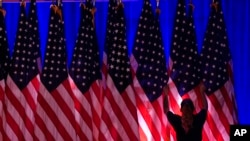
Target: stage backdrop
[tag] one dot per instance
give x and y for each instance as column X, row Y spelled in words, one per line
column 237, row 20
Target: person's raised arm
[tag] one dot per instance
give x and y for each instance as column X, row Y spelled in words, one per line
column 165, row 99
column 203, row 97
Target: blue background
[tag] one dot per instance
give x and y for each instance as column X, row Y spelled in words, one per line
column 236, row 13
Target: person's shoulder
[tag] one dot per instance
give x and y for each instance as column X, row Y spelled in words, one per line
column 202, row 111
column 202, row 114
column 174, row 119
column 171, row 114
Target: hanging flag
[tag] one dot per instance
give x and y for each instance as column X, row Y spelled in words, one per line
column 119, row 113
column 4, row 61
column 85, row 76
column 184, row 63
column 34, row 36
column 20, row 87
column 55, row 103
column 149, row 64
column 216, row 71
column 33, row 65
column 108, row 38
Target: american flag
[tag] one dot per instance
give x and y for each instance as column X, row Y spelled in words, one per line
column 184, row 62
column 21, row 85
column 216, row 71
column 119, row 113
column 85, row 74
column 4, row 61
column 108, row 38
column 149, row 64
column 55, row 118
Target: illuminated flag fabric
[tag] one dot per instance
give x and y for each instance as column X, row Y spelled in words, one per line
column 55, row 118
column 217, row 71
column 119, row 113
column 4, row 61
column 85, row 74
column 108, row 38
column 21, row 85
column 149, row 64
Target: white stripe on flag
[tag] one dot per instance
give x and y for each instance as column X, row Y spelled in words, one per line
column 58, row 111
column 87, row 107
column 109, row 109
column 216, row 119
column 12, row 110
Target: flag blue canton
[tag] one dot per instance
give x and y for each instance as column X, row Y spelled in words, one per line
column 33, row 47
column 215, row 54
column 18, row 67
column 4, row 49
column 149, row 54
column 55, row 69
column 108, row 41
column 184, row 54
column 85, row 66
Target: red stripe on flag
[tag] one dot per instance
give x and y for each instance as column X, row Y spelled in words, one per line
column 83, row 113
column 213, row 127
column 2, row 87
column 30, row 93
column 118, row 108
column 82, row 136
column 31, row 100
column 80, row 127
column 67, row 112
column 45, row 103
column 111, row 129
column 42, row 127
column 17, row 104
column 11, row 123
column 143, row 109
column 50, row 113
column 218, row 107
column 64, row 102
column 130, row 104
column 229, row 103
column 96, row 97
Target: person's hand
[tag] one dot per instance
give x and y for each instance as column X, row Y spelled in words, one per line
column 165, row 90
column 165, row 99
column 202, row 87
column 203, row 96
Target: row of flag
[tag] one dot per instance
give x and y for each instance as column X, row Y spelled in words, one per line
column 122, row 99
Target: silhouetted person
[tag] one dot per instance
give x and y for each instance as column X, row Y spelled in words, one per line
column 188, row 126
